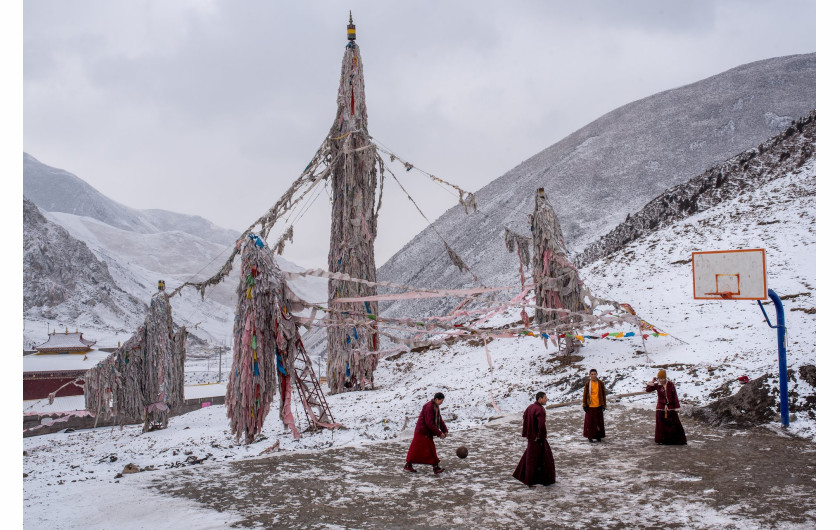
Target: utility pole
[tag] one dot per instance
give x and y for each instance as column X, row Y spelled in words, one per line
column 220, row 364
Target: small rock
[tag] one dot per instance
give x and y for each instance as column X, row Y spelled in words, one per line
column 187, row 427
column 25, row 475
column 113, row 458
column 26, row 453
column 130, row 468
column 118, row 475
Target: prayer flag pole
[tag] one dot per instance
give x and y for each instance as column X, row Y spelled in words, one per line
column 351, row 349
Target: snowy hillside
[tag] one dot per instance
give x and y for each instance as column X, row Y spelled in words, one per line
column 608, row 169
column 137, row 248
column 130, row 264
column 135, row 262
column 779, row 155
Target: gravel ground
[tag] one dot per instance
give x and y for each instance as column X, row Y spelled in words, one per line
column 758, row 478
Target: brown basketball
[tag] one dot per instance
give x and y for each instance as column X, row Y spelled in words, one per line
column 462, row 452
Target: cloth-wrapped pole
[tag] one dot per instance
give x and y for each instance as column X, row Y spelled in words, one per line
column 265, row 339
column 354, row 224
column 144, row 378
column 556, row 280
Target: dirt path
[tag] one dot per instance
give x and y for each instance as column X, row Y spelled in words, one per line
column 721, row 479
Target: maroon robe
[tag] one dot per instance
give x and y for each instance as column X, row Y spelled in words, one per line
column 537, row 464
column 429, row 423
column 669, row 429
column 593, row 423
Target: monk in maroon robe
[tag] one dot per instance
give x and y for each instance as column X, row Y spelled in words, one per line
column 537, row 464
column 594, row 405
column 669, row 429
column 422, row 449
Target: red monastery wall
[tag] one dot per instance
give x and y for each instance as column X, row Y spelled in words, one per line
column 39, row 385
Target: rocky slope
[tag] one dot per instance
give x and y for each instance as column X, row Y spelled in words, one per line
column 62, row 276
column 754, row 167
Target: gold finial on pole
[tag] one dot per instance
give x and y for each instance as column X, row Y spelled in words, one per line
column 351, row 29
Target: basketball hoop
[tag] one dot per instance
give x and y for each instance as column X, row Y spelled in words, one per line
column 729, row 275
column 725, row 296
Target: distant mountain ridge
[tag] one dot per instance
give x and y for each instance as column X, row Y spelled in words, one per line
column 608, row 169
column 81, row 231
column 749, row 170
column 93, row 263
column 57, row 190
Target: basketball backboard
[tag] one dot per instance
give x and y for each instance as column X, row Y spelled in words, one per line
column 729, row 275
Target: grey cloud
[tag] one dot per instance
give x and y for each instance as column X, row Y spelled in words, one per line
column 200, row 98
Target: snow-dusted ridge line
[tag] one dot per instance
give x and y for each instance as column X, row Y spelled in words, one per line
column 58, row 190
column 772, row 159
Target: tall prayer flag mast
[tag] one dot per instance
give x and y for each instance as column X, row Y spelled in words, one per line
column 351, row 357
column 558, row 288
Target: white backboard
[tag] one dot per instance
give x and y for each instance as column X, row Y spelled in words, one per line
column 729, row 274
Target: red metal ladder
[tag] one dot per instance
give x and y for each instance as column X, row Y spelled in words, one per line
column 315, row 406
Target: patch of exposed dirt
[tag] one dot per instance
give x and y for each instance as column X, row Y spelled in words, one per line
column 723, row 478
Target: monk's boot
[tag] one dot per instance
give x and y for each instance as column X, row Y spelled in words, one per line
column 438, row 470
column 408, row 467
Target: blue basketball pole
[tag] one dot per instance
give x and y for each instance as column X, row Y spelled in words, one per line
column 780, row 331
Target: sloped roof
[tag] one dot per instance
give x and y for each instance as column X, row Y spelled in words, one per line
column 56, row 363
column 66, row 341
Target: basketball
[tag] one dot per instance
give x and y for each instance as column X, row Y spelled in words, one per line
column 462, row 452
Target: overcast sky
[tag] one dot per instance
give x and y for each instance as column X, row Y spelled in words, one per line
column 213, row 108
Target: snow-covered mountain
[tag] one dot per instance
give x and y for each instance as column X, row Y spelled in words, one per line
column 133, row 249
column 64, row 282
column 778, row 156
column 608, row 169
column 57, row 190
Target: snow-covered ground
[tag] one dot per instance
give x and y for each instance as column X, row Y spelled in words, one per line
column 70, row 477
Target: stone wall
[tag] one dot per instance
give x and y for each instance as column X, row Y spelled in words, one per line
column 36, row 424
